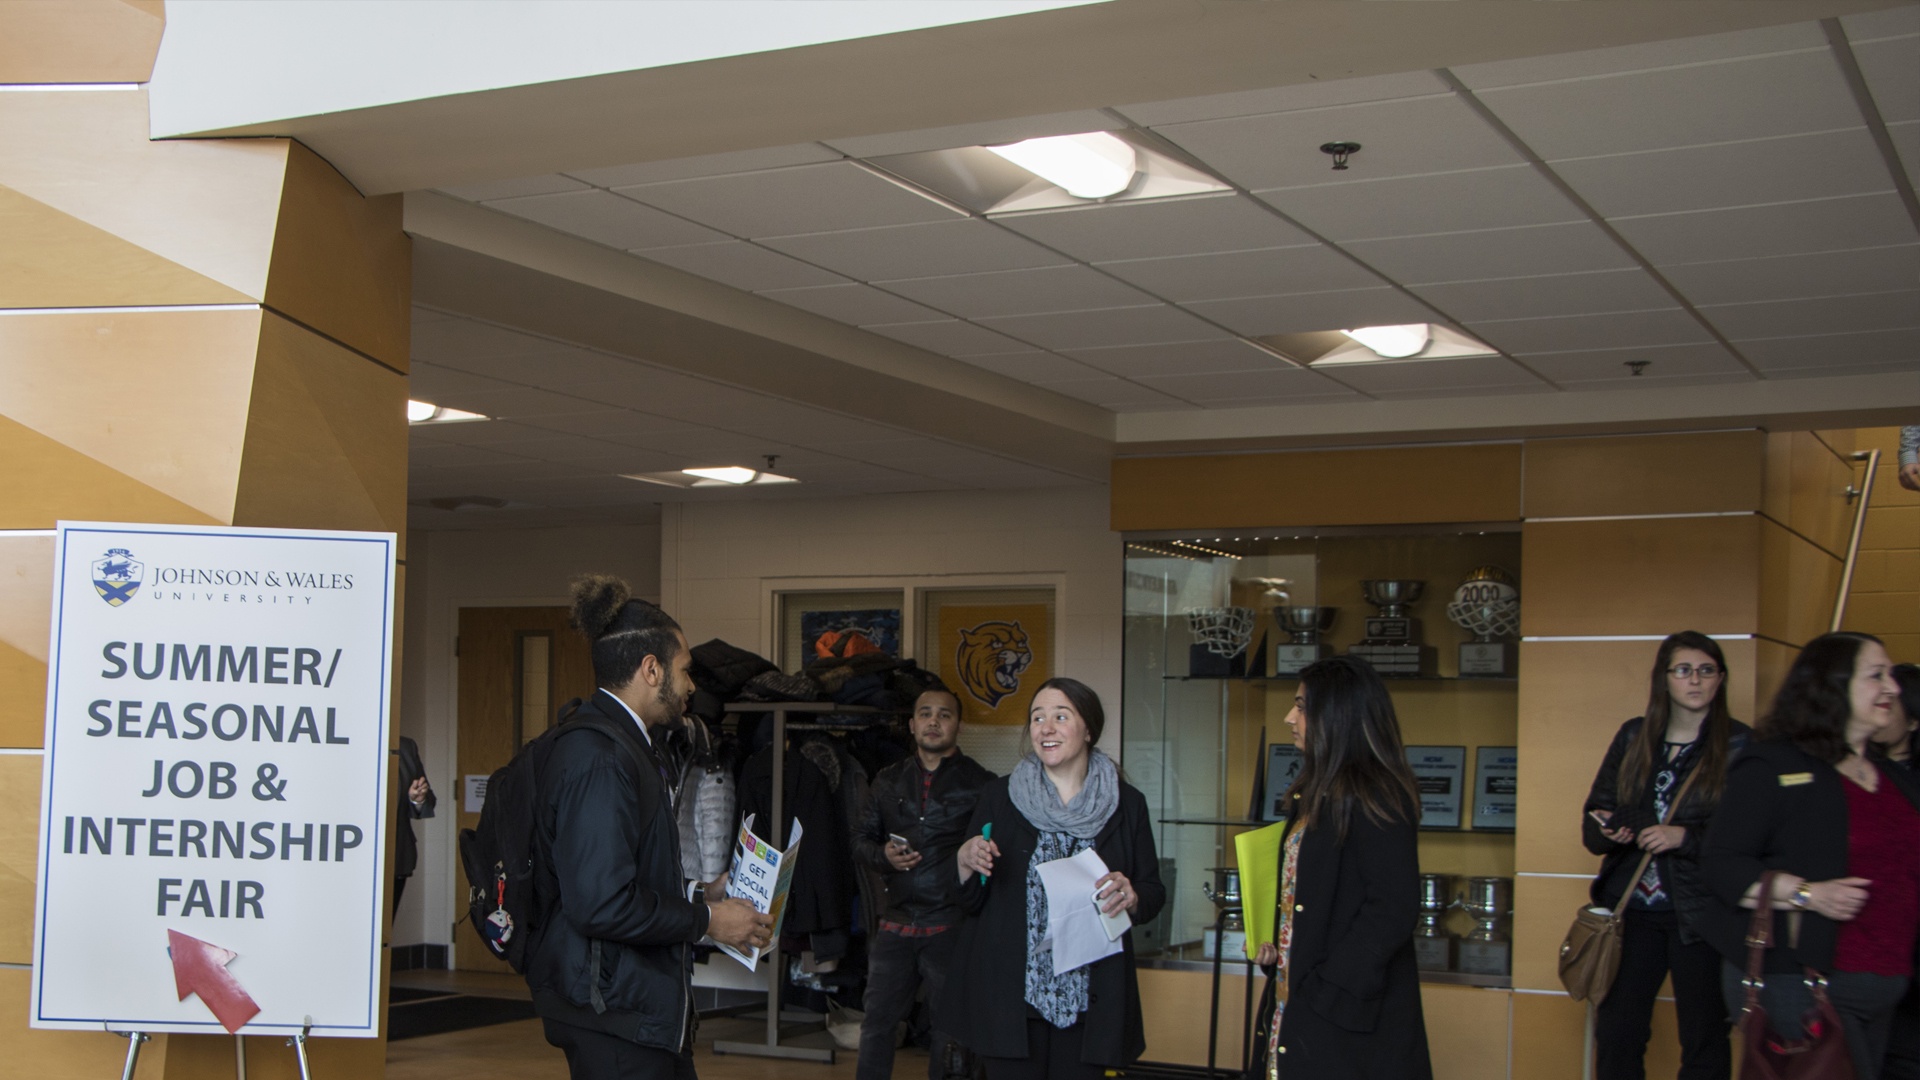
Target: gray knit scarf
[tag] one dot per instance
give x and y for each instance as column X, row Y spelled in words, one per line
column 1039, row 801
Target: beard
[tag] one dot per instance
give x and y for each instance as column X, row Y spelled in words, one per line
column 673, row 705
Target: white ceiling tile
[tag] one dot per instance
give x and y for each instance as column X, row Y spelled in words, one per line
column 1156, row 228
column 1318, row 94
column 1792, row 277
column 1113, row 326
column 1872, row 349
column 1556, row 294
column 1493, row 253
column 1020, row 292
column 1825, row 315
column 1416, row 205
column 1297, row 313
column 1618, row 330
column 1887, row 22
column 507, row 189
column 1780, row 94
column 1112, row 393
column 989, row 133
column 1290, row 382
column 1437, row 378
column 785, row 202
column 1181, row 358
column 605, row 218
column 739, row 161
column 1188, row 278
column 519, row 402
column 1855, row 221
column 426, row 458
column 626, row 426
column 1599, row 365
column 742, row 265
column 1676, row 52
column 1405, row 137
column 858, row 305
column 904, row 251
column 1906, row 142
column 1035, row 367
column 1892, row 70
column 449, row 341
column 498, row 434
column 951, row 337
column 432, row 382
column 1786, row 169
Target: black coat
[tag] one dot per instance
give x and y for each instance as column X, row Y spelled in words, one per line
column 1353, row 987
column 984, row 1006
column 406, row 847
column 820, row 899
column 928, row 894
column 612, row 950
column 1783, row 810
column 1679, row 869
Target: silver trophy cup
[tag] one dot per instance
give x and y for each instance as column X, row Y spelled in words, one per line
column 1305, row 625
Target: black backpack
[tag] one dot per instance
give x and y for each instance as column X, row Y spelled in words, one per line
column 502, row 856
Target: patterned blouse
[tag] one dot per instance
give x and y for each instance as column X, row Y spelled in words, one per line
column 1283, row 940
column 1059, row 998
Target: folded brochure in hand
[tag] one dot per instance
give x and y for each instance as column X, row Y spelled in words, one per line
column 761, row 875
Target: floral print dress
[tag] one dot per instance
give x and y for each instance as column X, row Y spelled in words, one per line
column 1283, row 940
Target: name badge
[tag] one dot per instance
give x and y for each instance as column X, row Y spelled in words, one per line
column 1795, row 779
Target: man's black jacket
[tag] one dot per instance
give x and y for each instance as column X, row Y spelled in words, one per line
column 927, row 894
column 611, row 952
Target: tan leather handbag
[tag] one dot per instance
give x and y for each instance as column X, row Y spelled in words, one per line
column 1590, row 955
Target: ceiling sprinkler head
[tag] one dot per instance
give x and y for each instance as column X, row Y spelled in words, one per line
column 1637, row 366
column 1340, row 152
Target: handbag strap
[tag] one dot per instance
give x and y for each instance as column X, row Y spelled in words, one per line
column 1759, row 940
column 1620, row 909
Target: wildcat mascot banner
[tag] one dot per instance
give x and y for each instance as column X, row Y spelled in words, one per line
column 993, row 655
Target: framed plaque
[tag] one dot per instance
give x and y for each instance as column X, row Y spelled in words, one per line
column 1495, row 791
column 1283, row 764
column 1440, row 773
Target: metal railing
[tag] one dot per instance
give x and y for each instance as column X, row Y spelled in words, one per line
column 1864, row 495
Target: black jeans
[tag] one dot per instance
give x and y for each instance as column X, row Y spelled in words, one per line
column 897, row 967
column 596, row 1055
column 1651, row 948
column 1866, row 1004
column 1903, row 1042
column 1052, row 1054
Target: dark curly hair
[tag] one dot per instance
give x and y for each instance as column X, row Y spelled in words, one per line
column 1814, row 703
column 622, row 630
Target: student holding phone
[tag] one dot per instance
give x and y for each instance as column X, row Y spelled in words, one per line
column 917, row 813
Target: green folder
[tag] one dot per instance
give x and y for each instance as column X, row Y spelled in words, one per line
column 1257, row 852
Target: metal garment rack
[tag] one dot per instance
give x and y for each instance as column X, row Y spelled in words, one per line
column 771, row 1046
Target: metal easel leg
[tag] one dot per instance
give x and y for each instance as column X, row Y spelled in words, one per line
column 299, row 1044
column 239, row 1057
column 134, row 1039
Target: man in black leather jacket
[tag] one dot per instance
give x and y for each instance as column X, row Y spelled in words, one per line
column 925, row 800
column 609, row 962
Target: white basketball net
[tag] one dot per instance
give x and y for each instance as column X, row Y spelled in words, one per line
column 1487, row 618
column 1223, row 630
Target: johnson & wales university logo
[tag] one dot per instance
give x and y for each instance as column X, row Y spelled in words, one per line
column 117, row 576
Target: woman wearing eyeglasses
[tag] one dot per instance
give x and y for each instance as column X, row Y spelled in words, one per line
column 1685, row 735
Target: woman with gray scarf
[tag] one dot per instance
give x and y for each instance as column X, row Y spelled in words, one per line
column 1003, row 999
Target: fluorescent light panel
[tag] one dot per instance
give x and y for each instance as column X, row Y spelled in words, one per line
column 425, row 412
column 1093, row 165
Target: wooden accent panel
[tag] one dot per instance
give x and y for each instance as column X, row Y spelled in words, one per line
column 1644, row 474
column 19, row 852
column 23, row 698
column 341, row 263
column 1798, row 583
column 68, row 1055
column 79, row 41
column 179, row 434
column 326, row 443
column 1806, row 489
column 1319, row 487
column 49, row 481
column 1549, row 1031
column 1468, row 1030
column 53, row 259
column 1174, row 1007
column 1639, row 576
column 1542, row 908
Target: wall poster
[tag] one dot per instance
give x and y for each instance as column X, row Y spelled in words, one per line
column 992, row 647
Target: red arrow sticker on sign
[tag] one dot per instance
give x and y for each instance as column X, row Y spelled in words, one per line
column 200, row 968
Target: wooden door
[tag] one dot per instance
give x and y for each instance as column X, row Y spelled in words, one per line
column 517, row 667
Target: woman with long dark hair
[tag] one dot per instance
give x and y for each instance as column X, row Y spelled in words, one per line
column 1901, row 741
column 1003, row 998
column 1811, row 801
column 1679, row 748
column 1343, row 990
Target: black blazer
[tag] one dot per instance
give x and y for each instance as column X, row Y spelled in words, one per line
column 1353, row 988
column 1783, row 810
column 984, row 1003
column 406, row 847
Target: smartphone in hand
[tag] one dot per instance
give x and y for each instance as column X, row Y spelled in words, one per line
column 902, row 841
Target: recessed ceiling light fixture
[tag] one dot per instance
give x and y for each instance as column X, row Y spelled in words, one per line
column 1393, row 342
column 1089, row 166
column 424, row 412
column 719, row 476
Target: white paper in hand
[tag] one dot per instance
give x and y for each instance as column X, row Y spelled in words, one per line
column 1074, row 925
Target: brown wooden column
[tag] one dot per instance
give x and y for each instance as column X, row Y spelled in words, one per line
column 190, row 331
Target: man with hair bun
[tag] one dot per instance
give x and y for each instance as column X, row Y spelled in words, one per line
column 610, row 963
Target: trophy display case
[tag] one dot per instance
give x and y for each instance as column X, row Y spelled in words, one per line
column 1218, row 627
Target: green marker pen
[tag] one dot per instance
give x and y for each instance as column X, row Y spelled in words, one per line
column 986, row 833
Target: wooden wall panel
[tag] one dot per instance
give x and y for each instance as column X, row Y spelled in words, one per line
column 69, row 1055
column 53, row 259
column 79, row 41
column 1320, row 487
column 341, row 263
column 1549, row 1032
column 1644, row 474
column 19, row 852
column 26, row 611
column 1542, row 908
column 1798, row 583
column 1174, row 1007
column 1468, row 1030
column 50, row 481
column 23, row 698
column 1629, row 576
column 1817, row 505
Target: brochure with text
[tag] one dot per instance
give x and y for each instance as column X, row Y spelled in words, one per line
column 761, row 875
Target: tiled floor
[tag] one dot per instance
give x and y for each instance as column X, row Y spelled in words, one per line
column 518, row 1051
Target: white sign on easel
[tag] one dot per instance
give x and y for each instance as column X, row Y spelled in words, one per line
column 215, row 780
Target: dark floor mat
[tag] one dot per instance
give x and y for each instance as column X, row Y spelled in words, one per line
column 398, row 994
column 412, row 1020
